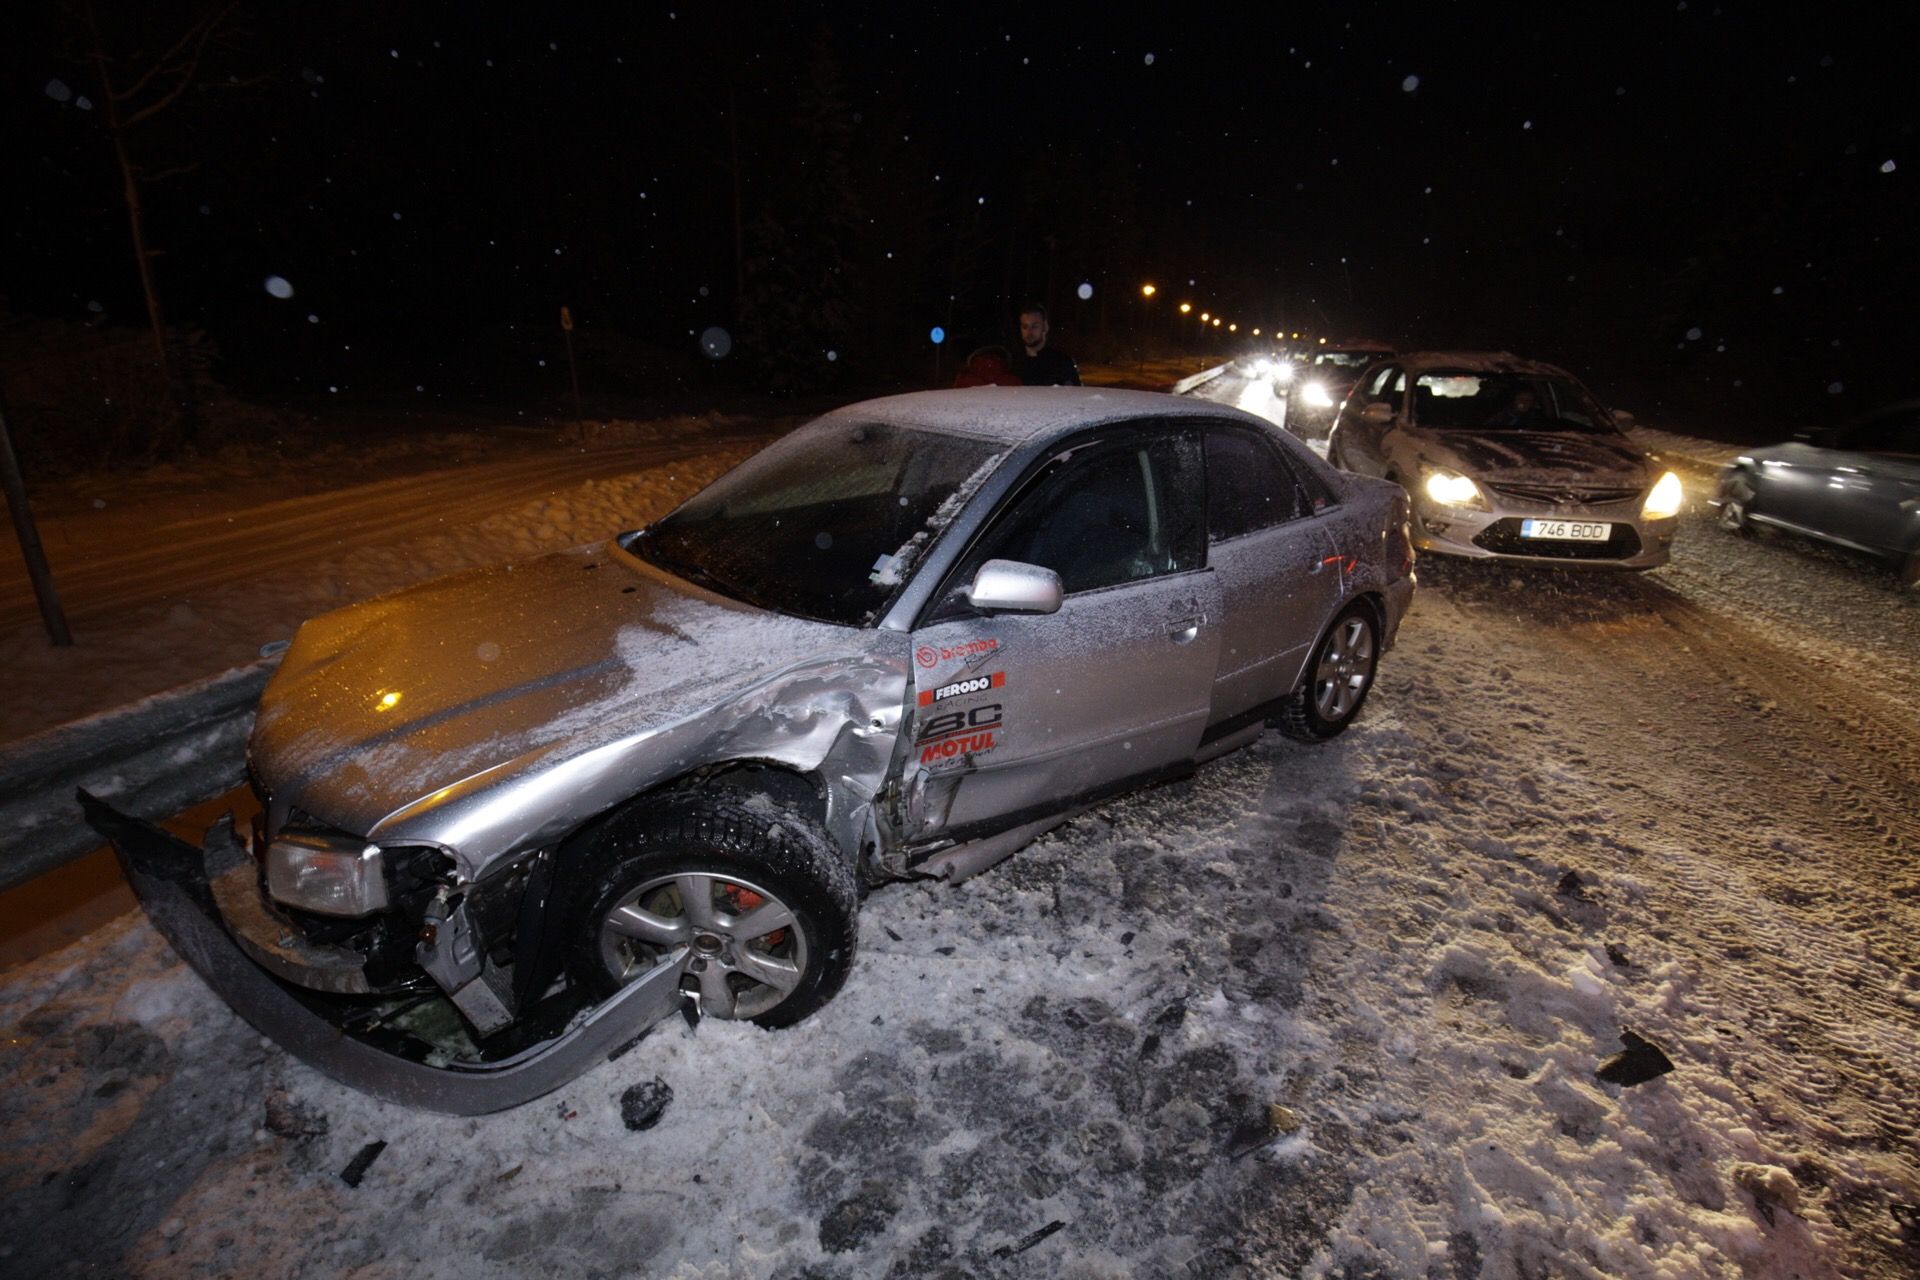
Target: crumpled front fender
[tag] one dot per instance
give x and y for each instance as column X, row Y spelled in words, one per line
column 170, row 878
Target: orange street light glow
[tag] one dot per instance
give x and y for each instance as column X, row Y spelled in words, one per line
column 1185, row 307
column 1147, row 291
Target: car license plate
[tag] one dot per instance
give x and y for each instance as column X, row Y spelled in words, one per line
column 1567, row 530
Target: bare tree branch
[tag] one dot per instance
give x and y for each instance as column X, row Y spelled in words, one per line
column 195, row 35
column 172, row 172
column 205, row 32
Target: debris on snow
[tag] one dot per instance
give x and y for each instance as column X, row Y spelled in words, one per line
column 1640, row 1062
column 1029, row 1240
column 1771, row 1187
column 357, row 1167
column 291, row 1118
column 642, row 1105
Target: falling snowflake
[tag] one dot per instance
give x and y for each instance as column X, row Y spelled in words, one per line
column 1410, row 84
column 278, row 287
column 1835, row 388
column 1085, row 290
column 715, row 343
column 1693, row 334
column 1149, row 59
column 58, row 91
column 1888, row 167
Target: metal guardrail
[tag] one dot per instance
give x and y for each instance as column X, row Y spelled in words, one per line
column 1185, row 385
column 156, row 756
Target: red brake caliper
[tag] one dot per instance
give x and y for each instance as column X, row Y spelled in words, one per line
column 741, row 900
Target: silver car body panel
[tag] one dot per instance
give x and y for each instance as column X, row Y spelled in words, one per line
column 1865, row 499
column 492, row 712
column 1553, row 475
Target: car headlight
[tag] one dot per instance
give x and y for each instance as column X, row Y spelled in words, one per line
column 1665, row 500
column 1315, row 394
column 1283, row 372
column 328, row 874
column 1451, row 489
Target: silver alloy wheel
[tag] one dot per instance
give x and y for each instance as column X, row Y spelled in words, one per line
column 1346, row 665
column 737, row 944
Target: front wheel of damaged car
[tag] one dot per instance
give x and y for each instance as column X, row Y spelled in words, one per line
column 755, row 906
column 1338, row 677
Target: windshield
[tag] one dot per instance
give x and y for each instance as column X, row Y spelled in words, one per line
column 1355, row 360
column 824, row 524
column 1474, row 400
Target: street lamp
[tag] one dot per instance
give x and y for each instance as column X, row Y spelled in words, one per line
column 1185, row 307
column 1204, row 317
column 1147, row 291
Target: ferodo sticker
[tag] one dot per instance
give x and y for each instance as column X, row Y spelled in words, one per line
column 954, row 734
column 960, row 688
column 931, row 655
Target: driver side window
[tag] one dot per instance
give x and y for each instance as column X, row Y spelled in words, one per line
column 1105, row 515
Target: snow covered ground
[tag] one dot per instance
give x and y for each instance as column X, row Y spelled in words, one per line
column 1322, row 1010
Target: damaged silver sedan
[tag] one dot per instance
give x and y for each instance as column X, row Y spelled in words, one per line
column 513, row 818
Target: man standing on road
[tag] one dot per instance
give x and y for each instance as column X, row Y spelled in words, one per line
column 1038, row 364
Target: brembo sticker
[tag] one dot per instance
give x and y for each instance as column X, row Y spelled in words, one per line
column 960, row 733
column 928, row 655
column 960, row 688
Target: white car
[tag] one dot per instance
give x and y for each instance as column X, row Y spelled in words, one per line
column 1508, row 458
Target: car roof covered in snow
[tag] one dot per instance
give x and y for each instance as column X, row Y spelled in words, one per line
column 1014, row 416
column 1478, row 362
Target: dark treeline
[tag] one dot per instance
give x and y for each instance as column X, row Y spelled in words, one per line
column 1688, row 204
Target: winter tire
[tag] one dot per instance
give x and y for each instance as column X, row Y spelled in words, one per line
column 753, row 902
column 1736, row 501
column 1338, row 677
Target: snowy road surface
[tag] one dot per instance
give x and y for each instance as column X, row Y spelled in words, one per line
column 1328, row 1010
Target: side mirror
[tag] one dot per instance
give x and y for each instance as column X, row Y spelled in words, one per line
column 1624, row 420
column 1380, row 413
column 1007, row 586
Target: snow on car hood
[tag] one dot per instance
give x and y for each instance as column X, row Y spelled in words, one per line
column 386, row 701
column 1538, row 455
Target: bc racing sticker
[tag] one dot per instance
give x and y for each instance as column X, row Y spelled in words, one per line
column 955, row 734
column 932, row 655
column 960, row 688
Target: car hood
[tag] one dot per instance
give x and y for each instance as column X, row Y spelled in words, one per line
column 384, row 702
column 1537, row 455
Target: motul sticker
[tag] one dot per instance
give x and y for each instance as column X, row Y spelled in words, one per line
column 960, row 688
column 955, row 734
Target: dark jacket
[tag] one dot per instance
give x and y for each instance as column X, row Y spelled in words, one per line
column 1051, row 368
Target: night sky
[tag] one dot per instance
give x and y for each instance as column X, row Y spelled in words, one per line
column 1683, row 201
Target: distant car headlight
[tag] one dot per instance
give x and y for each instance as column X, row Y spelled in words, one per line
column 330, row 875
column 1451, row 489
column 1665, row 500
column 1315, row 394
column 1283, row 371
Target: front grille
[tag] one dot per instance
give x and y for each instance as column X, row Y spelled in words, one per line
column 1565, row 494
column 1502, row 537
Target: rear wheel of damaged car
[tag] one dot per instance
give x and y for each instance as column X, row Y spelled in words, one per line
column 1338, row 678
column 753, row 903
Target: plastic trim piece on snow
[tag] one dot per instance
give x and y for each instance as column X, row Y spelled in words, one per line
column 169, row 877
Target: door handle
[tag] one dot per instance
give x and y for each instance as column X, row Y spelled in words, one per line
column 1185, row 631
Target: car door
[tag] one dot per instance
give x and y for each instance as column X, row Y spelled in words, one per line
column 1359, row 444
column 1280, row 580
column 1015, row 716
column 1873, row 485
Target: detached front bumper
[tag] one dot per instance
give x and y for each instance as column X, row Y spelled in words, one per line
column 324, row 1019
